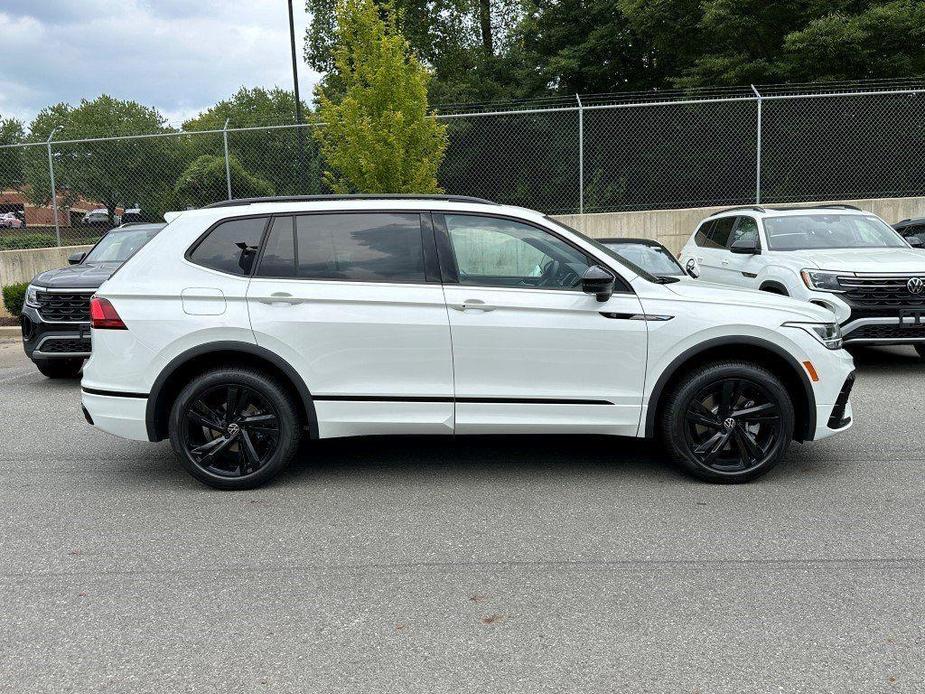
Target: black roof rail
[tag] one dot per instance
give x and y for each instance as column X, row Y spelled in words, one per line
column 824, row 206
column 756, row 208
column 352, row 196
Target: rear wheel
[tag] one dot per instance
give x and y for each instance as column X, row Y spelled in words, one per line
column 60, row 368
column 728, row 422
column 234, row 428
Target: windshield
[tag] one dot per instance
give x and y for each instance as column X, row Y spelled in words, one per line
column 606, row 251
column 117, row 246
column 655, row 259
column 809, row 231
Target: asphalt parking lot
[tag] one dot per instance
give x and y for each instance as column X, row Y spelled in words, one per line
column 489, row 565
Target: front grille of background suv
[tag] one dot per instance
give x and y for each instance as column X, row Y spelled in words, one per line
column 872, row 296
column 57, row 307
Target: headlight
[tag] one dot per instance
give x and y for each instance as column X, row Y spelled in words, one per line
column 828, row 334
column 32, row 296
column 822, row 280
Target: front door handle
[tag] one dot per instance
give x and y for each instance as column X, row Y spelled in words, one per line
column 472, row 305
column 280, row 299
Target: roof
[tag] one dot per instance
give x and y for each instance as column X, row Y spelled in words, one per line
column 767, row 211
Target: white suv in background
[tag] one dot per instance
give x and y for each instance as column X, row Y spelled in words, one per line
column 245, row 324
column 837, row 256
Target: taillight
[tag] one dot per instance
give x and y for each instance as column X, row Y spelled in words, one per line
column 103, row 315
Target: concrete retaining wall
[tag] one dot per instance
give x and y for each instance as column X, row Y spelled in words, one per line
column 674, row 227
column 22, row 266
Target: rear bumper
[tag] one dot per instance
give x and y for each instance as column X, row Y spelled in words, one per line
column 122, row 415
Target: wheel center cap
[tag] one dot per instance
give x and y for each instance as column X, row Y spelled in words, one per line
column 729, row 423
column 233, row 430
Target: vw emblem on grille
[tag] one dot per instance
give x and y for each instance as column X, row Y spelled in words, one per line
column 915, row 285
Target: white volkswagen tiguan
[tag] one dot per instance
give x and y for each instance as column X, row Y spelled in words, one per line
column 244, row 325
column 836, row 256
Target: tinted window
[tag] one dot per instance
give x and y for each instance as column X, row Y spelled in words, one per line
column 230, row 247
column 703, row 233
column 719, row 235
column 363, row 247
column 746, row 228
column 503, row 253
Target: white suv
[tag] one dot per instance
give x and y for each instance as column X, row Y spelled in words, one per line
column 836, row 256
column 245, row 324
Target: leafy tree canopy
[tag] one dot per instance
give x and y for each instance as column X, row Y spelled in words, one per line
column 379, row 136
column 204, row 182
column 11, row 159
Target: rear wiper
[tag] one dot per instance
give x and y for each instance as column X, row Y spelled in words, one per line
column 666, row 279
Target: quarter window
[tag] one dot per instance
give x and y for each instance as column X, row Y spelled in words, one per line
column 362, row 247
column 703, row 233
column 502, row 253
column 231, row 246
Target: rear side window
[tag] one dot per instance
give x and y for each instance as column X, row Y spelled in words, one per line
column 230, row 246
column 703, row 233
column 719, row 235
column 362, row 247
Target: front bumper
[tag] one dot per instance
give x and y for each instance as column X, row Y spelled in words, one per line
column 42, row 339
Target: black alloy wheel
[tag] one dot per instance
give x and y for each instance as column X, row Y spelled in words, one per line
column 234, row 428
column 728, row 422
column 733, row 425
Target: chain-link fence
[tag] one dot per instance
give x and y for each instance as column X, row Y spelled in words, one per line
column 595, row 153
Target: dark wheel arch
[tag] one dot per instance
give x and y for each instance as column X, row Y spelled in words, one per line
column 175, row 375
column 774, row 288
column 755, row 349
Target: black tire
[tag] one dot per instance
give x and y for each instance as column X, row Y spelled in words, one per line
column 60, row 368
column 920, row 349
column 247, row 448
column 706, row 437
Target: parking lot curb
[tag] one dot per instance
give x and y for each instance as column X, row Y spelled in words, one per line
column 10, row 331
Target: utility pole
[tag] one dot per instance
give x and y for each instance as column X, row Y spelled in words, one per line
column 300, row 136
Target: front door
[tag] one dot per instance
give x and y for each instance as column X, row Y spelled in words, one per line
column 531, row 351
column 347, row 299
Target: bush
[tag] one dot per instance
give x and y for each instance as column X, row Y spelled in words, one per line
column 204, row 181
column 14, row 296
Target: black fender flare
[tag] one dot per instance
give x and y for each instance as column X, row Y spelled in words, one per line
column 229, row 346
column 774, row 287
column 808, row 429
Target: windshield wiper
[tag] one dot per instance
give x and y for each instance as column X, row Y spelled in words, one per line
column 665, row 279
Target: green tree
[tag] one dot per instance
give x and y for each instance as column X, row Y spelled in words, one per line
column 272, row 154
column 378, row 135
column 136, row 171
column 11, row 159
column 204, row 181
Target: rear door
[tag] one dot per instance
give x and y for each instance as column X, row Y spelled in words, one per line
column 531, row 351
column 353, row 301
column 713, row 253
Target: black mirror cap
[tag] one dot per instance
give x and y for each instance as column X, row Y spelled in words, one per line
column 599, row 282
column 745, row 247
column 76, row 258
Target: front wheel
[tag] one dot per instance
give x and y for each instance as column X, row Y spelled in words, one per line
column 728, row 422
column 234, row 428
column 60, row 368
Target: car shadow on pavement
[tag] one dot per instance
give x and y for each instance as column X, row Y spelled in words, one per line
column 887, row 359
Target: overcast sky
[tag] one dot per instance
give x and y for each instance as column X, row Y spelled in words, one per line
column 180, row 56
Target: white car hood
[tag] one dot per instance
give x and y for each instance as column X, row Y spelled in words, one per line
column 708, row 292
column 861, row 259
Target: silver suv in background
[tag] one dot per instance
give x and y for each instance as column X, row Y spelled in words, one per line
column 836, row 256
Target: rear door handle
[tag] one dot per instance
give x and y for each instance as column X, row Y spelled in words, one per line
column 472, row 305
column 725, row 262
column 280, row 299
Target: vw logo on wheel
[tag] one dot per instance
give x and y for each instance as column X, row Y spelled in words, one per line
column 915, row 285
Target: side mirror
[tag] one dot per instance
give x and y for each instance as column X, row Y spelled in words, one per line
column 599, row 282
column 76, row 258
column 692, row 269
column 916, row 242
column 745, row 246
